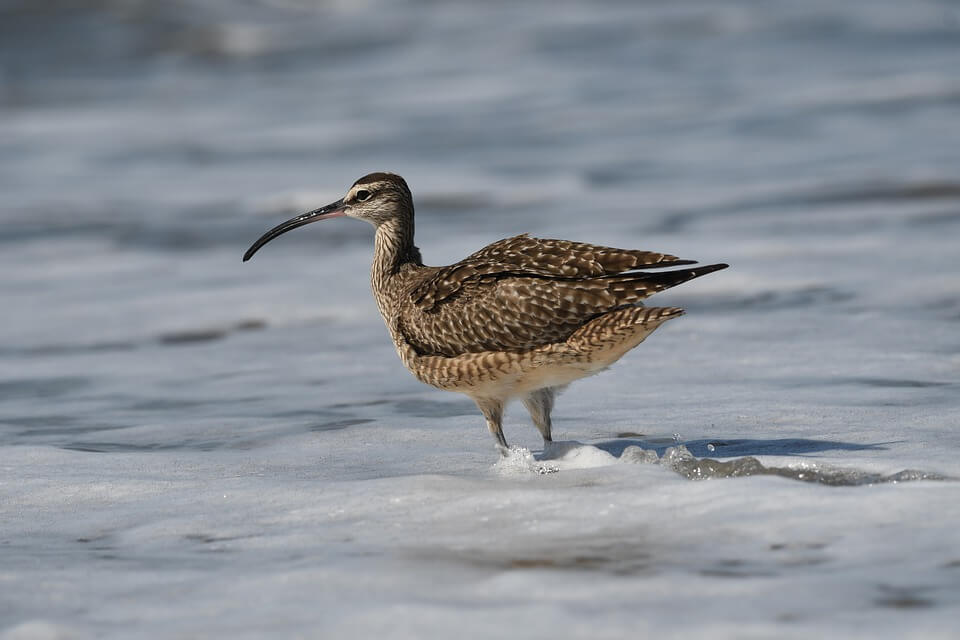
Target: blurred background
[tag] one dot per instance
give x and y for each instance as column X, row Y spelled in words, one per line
column 145, row 145
column 191, row 444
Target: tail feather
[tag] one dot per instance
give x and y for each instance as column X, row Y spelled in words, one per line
column 622, row 329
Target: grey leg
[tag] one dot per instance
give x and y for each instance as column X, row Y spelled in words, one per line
column 493, row 411
column 540, row 404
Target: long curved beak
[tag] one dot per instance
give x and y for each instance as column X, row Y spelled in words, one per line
column 333, row 210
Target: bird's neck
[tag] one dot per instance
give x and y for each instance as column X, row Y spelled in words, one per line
column 392, row 250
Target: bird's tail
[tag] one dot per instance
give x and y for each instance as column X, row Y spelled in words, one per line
column 620, row 330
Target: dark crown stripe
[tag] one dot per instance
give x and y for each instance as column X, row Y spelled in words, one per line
column 381, row 176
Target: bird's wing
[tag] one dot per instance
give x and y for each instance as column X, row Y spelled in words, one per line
column 524, row 255
column 522, row 292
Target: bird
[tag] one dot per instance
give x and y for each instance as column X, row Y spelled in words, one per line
column 521, row 318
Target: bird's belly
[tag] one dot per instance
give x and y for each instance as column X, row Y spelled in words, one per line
column 505, row 374
column 509, row 374
column 548, row 375
column 497, row 374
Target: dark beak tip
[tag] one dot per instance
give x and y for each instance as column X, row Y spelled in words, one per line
column 293, row 223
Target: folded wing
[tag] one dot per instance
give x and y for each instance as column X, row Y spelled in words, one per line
column 524, row 292
column 525, row 255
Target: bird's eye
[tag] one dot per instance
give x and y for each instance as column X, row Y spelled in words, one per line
column 362, row 195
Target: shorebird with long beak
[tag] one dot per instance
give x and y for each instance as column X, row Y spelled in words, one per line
column 521, row 318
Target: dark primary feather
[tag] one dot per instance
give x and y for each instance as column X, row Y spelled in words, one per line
column 524, row 292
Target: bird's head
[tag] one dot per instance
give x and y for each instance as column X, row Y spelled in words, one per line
column 377, row 198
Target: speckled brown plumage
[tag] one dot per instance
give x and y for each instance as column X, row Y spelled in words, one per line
column 521, row 318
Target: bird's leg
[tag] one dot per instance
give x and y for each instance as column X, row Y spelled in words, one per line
column 493, row 411
column 540, row 403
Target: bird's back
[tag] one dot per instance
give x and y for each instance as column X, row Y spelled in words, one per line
column 522, row 293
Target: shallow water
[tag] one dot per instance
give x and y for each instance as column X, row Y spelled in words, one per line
column 194, row 446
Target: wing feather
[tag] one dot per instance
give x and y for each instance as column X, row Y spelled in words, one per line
column 524, row 255
column 523, row 292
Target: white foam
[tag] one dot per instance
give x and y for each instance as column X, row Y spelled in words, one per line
column 571, row 454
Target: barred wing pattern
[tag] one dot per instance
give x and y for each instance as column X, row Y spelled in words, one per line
column 524, row 292
column 526, row 255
